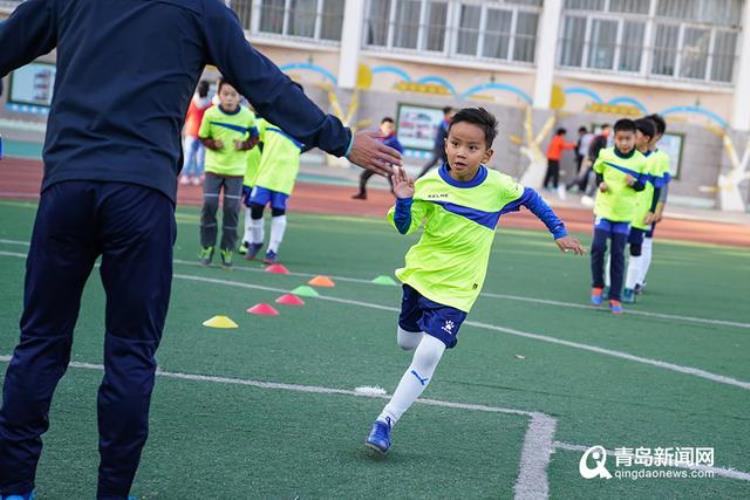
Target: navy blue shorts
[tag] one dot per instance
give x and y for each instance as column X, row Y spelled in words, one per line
column 262, row 196
column 611, row 227
column 420, row 314
column 636, row 236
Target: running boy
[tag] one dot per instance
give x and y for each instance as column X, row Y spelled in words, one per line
column 389, row 138
column 645, row 205
column 460, row 205
column 277, row 173
column 661, row 171
column 228, row 131
column 620, row 175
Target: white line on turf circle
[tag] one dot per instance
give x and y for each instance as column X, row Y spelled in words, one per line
column 541, row 433
column 687, row 370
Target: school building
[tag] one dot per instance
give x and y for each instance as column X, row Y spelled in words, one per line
column 532, row 62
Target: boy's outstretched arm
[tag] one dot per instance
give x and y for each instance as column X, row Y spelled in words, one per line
column 531, row 200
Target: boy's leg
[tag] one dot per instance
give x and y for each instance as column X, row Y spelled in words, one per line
column 256, row 224
column 617, row 252
column 188, row 160
column 211, row 190
column 646, row 252
column 231, row 215
column 247, row 235
column 636, row 258
column 548, row 174
column 408, row 332
column 598, row 251
column 363, row 180
column 137, row 233
column 415, row 380
column 440, row 325
column 61, row 256
column 556, row 174
column 278, row 220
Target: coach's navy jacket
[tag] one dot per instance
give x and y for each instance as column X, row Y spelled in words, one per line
column 126, row 70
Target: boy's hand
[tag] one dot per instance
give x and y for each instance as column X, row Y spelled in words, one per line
column 603, row 187
column 630, row 180
column 403, row 186
column 569, row 244
column 659, row 213
column 650, row 218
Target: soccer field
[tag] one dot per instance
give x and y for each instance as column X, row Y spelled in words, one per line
column 268, row 410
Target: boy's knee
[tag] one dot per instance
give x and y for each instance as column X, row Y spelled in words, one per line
column 256, row 211
column 636, row 250
column 277, row 212
column 408, row 341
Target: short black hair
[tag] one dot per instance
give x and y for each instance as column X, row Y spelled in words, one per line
column 202, row 88
column 606, row 125
column 582, row 129
column 479, row 117
column 624, row 125
column 220, row 83
column 386, row 119
column 447, row 110
column 661, row 124
column 646, row 126
column 561, row 131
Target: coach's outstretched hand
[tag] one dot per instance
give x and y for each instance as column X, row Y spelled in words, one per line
column 570, row 244
column 371, row 154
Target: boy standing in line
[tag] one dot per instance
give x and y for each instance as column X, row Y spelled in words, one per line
column 228, row 131
column 620, row 175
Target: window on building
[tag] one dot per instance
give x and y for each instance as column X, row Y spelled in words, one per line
column 503, row 29
column 682, row 39
column 307, row 19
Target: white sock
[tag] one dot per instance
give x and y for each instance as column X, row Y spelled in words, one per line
column 634, row 271
column 415, row 380
column 256, row 231
column 248, row 236
column 278, row 227
column 646, row 250
column 408, row 341
column 607, row 265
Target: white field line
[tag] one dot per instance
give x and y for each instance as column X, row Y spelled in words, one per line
column 726, row 472
column 542, row 433
column 532, row 481
column 537, row 446
column 534, row 300
column 687, row 370
column 572, row 305
column 696, row 372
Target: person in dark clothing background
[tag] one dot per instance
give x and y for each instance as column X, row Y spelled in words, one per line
column 438, row 150
column 599, row 142
column 125, row 74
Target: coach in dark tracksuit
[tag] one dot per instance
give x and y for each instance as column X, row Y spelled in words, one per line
column 126, row 73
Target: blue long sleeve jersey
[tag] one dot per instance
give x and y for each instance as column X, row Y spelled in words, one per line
column 126, row 71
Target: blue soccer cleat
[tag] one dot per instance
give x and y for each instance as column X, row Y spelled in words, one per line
column 252, row 251
column 615, row 306
column 596, row 296
column 271, row 257
column 380, row 437
column 26, row 496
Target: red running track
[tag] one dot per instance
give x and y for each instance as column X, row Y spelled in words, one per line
column 20, row 179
